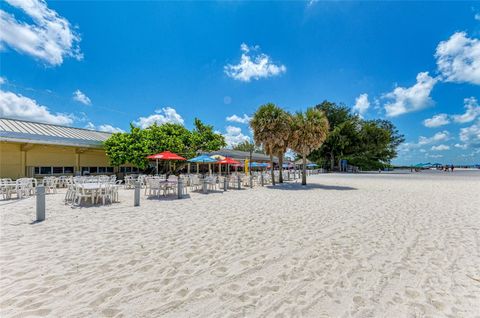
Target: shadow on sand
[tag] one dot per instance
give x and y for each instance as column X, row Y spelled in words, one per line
column 312, row 186
column 166, row 198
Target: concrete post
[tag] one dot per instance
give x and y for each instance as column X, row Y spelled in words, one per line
column 251, row 181
column 225, row 184
column 288, row 175
column 239, row 181
column 136, row 197
column 180, row 188
column 40, row 203
column 204, row 186
column 261, row 179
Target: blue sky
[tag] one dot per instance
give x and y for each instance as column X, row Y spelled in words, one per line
column 104, row 64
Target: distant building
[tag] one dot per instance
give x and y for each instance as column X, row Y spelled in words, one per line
column 31, row 149
column 243, row 155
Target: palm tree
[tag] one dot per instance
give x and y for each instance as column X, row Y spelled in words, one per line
column 271, row 130
column 309, row 131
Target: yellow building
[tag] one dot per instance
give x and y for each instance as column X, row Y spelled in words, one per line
column 30, row 149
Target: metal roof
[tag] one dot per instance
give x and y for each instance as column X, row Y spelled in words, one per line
column 15, row 130
column 242, row 155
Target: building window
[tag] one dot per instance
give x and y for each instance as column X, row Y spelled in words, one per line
column 102, row 169
column 93, row 169
column 57, row 170
column 85, row 169
column 45, row 170
column 129, row 169
column 67, row 169
column 53, row 170
column 110, row 169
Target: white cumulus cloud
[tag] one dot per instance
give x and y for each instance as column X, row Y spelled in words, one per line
column 434, row 156
column 104, row 127
column 471, row 135
column 234, row 136
column 439, row 136
column 21, row 107
column 472, row 111
column 161, row 116
column 44, row 35
column 436, row 121
column 253, row 66
column 237, row 119
column 80, row 97
column 458, row 59
column 404, row 100
column 440, row 148
column 361, row 104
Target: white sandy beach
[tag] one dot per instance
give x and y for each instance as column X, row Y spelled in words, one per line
column 365, row 245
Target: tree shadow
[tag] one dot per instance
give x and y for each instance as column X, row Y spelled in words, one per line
column 311, row 186
column 167, row 197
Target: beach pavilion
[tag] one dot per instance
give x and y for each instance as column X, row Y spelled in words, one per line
column 33, row 149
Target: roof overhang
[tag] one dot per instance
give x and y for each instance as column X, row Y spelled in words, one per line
column 67, row 142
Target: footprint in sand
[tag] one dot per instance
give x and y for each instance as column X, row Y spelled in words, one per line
column 220, row 271
column 39, row 312
column 110, row 312
column 411, row 293
column 359, row 301
column 255, row 282
column 103, row 297
column 182, row 292
column 244, row 263
column 234, row 287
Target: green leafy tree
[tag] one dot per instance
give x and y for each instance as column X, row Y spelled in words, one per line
column 204, row 138
column 117, row 148
column 368, row 144
column 343, row 134
column 247, row 146
column 309, row 131
column 135, row 146
column 378, row 144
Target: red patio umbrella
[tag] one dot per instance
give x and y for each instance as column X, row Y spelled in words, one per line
column 166, row 155
column 228, row 161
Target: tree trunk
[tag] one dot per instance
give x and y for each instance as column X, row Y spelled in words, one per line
column 280, row 169
column 271, row 170
column 332, row 161
column 304, row 170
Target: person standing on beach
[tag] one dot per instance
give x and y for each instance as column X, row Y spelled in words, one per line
column 451, row 167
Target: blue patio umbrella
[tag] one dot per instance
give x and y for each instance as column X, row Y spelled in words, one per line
column 259, row 164
column 312, row 165
column 203, row 159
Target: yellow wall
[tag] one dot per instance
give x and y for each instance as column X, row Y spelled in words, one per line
column 43, row 155
column 10, row 161
column 94, row 158
column 16, row 157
